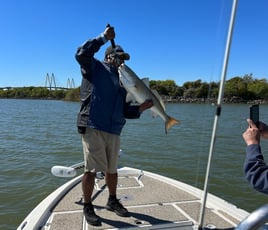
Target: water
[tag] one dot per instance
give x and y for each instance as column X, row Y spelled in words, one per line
column 38, row 134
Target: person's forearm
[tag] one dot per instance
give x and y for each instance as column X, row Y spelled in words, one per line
column 255, row 168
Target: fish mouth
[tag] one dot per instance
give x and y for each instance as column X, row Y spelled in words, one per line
column 121, row 66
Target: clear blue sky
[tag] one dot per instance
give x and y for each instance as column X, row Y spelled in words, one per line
column 182, row 40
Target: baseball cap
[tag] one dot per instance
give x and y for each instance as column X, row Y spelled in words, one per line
column 118, row 50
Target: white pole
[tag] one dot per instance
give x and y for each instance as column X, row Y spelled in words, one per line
column 218, row 110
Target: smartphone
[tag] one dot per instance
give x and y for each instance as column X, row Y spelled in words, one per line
column 254, row 114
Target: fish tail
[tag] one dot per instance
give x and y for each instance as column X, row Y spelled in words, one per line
column 170, row 122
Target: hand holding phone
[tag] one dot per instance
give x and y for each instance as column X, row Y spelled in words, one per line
column 254, row 114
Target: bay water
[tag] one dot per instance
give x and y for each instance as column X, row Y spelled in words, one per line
column 38, row 134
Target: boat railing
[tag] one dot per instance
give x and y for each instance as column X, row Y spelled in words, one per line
column 256, row 220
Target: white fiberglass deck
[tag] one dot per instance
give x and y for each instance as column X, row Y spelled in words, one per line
column 154, row 202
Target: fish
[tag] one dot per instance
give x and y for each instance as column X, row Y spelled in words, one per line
column 138, row 90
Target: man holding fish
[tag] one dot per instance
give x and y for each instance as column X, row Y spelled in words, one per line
column 102, row 117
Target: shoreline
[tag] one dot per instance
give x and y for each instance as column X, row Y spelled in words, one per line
column 166, row 99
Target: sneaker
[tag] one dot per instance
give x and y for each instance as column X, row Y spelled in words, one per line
column 115, row 206
column 91, row 216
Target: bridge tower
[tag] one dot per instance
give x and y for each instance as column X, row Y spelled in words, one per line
column 70, row 83
column 50, row 81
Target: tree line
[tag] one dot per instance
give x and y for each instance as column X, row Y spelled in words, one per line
column 33, row 92
column 237, row 89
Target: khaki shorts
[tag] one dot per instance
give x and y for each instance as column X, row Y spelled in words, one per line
column 100, row 151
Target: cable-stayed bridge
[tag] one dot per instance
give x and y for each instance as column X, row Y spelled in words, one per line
column 50, row 83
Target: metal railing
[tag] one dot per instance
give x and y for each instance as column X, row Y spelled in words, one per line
column 256, row 220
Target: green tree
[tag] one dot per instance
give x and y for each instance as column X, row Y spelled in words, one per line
column 258, row 88
column 236, row 86
column 58, row 94
column 167, row 87
column 73, row 95
column 213, row 90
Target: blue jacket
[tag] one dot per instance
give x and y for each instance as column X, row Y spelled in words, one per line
column 255, row 168
column 103, row 99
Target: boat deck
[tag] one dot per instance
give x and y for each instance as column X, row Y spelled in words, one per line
column 153, row 202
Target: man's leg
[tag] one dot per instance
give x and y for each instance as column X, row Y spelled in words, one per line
column 88, row 181
column 111, row 181
column 113, row 203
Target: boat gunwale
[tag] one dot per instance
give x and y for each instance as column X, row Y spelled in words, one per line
column 40, row 214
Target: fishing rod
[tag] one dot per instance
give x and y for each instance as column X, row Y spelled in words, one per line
column 218, row 109
column 112, row 40
column 113, row 46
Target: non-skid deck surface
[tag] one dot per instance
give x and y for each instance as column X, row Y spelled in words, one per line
column 147, row 200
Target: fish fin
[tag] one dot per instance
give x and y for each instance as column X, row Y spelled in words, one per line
column 159, row 98
column 146, row 82
column 170, row 122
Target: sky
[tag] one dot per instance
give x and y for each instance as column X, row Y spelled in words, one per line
column 180, row 40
